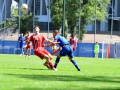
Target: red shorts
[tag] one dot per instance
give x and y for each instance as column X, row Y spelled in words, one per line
column 73, row 47
column 28, row 47
column 41, row 52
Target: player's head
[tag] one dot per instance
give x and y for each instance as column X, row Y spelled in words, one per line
column 72, row 36
column 28, row 32
column 21, row 34
column 55, row 32
column 36, row 28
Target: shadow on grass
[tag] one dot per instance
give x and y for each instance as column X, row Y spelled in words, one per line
column 30, row 68
column 70, row 78
column 69, row 89
column 27, row 68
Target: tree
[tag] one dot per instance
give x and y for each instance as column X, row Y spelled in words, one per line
column 72, row 15
column 56, row 8
column 87, row 13
column 26, row 20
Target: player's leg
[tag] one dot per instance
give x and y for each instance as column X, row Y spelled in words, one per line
column 21, row 49
column 70, row 56
column 48, row 58
column 74, row 63
column 48, row 62
column 43, row 54
column 62, row 52
column 28, row 52
column 25, row 50
column 57, row 61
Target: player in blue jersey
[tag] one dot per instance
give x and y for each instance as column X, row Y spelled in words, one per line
column 64, row 48
column 21, row 43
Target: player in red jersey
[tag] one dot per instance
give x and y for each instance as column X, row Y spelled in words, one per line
column 38, row 45
column 73, row 42
column 28, row 45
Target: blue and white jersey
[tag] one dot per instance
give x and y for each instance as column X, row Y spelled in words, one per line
column 21, row 39
column 62, row 41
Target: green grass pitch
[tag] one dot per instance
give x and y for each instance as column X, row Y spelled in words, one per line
column 20, row 73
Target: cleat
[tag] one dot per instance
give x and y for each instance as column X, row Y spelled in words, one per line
column 25, row 56
column 54, row 69
column 79, row 70
column 20, row 54
column 23, row 53
column 47, row 65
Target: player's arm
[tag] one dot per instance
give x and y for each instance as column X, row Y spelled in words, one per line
column 28, row 42
column 48, row 45
column 54, row 52
column 51, row 43
column 19, row 40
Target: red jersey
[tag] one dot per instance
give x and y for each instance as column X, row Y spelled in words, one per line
column 73, row 43
column 27, row 38
column 37, row 41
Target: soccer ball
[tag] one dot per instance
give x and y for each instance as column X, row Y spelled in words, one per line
column 24, row 7
column 54, row 47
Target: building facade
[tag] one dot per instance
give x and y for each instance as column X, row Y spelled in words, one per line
column 44, row 18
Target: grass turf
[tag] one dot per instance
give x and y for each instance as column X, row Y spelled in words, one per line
column 20, row 73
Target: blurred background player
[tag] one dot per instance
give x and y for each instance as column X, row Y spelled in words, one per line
column 64, row 48
column 73, row 42
column 21, row 43
column 28, row 45
column 96, row 49
column 38, row 45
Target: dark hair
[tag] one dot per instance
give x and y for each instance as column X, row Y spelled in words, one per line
column 36, row 26
column 56, row 31
column 28, row 32
column 72, row 35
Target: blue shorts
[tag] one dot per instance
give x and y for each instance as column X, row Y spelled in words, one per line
column 67, row 50
column 21, row 45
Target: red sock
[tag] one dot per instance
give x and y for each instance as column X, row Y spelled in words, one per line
column 51, row 65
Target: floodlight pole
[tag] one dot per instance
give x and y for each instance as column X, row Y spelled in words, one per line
column 48, row 18
column 95, row 21
column 63, row 16
column 112, row 21
column 5, row 18
column 34, row 16
column 79, row 20
column 19, row 19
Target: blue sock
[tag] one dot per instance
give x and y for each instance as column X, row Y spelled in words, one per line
column 75, row 64
column 21, row 51
column 56, row 62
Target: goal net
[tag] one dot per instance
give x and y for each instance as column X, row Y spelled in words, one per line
column 111, row 48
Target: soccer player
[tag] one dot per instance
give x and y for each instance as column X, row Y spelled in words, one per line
column 28, row 45
column 73, row 42
column 21, row 40
column 64, row 48
column 96, row 49
column 38, row 45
